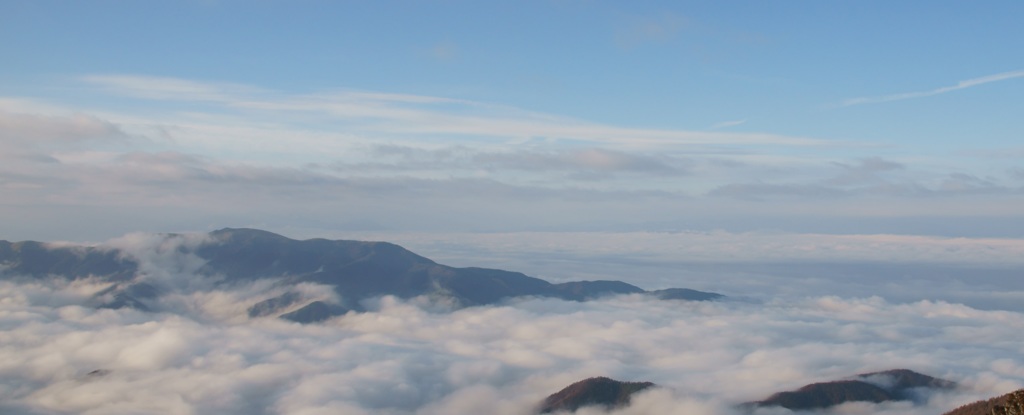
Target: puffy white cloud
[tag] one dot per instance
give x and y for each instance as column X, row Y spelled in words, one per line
column 404, row 359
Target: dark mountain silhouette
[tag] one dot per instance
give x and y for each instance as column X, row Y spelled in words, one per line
column 685, row 294
column 890, row 385
column 824, row 395
column 37, row 259
column 355, row 270
column 315, row 312
column 359, row 270
column 602, row 391
column 990, row 406
column 905, row 379
column 274, row 305
column 588, row 290
column 126, row 295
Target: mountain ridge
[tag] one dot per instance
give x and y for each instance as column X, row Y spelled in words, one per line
column 889, row 385
column 355, row 270
column 874, row 387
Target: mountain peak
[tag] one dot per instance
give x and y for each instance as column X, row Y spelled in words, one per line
column 596, row 391
column 353, row 270
column 901, row 379
column 889, row 385
column 241, row 234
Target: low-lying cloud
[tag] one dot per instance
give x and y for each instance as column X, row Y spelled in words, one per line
column 402, row 359
column 60, row 357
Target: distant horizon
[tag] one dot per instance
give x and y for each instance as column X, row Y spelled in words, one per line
column 979, row 273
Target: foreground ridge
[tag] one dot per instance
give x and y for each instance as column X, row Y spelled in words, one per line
column 1010, row 404
column 876, row 387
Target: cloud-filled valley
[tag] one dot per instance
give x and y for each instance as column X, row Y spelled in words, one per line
column 199, row 352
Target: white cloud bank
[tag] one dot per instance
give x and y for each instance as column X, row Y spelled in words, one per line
column 401, row 359
column 204, row 356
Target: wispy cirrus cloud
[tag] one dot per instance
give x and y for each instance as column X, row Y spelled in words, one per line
column 593, row 160
column 872, row 176
column 419, row 115
column 727, row 124
column 165, row 143
column 165, row 88
column 919, row 94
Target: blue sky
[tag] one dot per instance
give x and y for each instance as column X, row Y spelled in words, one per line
column 829, row 117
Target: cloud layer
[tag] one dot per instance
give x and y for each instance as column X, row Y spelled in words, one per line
column 402, row 359
column 204, row 355
column 162, row 154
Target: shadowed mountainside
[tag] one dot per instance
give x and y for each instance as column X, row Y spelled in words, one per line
column 685, row 294
column 601, row 391
column 986, row 407
column 356, row 270
column 826, row 394
column 875, row 387
column 890, row 385
column 38, row 259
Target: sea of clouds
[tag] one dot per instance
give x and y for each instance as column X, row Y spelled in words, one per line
column 983, row 273
column 201, row 354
